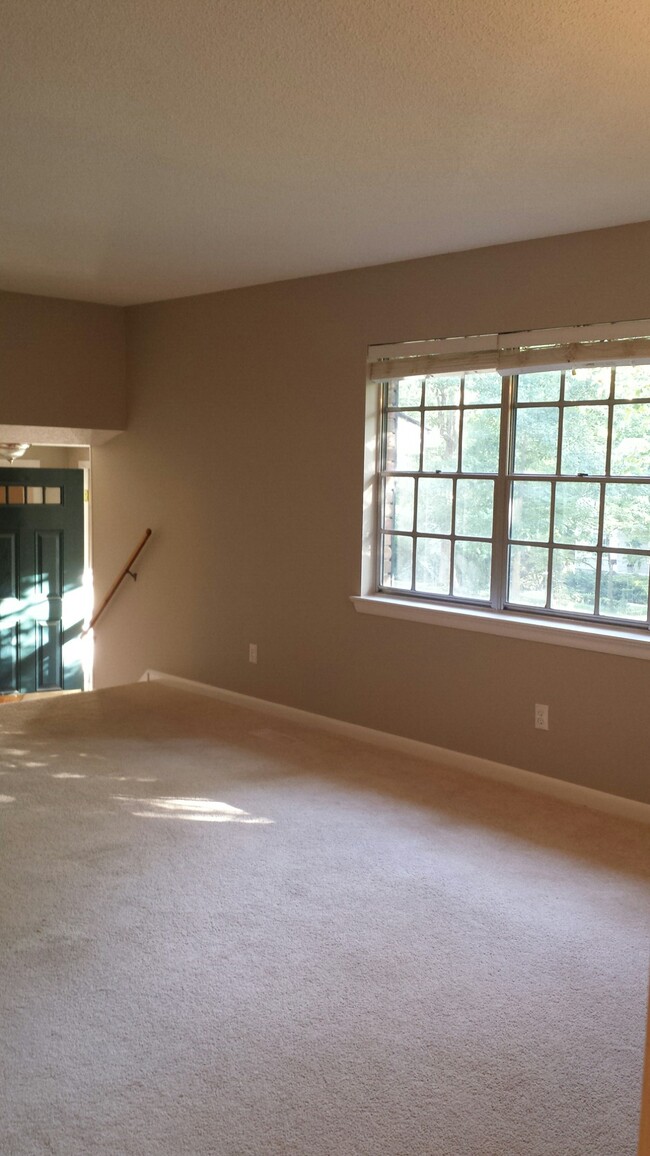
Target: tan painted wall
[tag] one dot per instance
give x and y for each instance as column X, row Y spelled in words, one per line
column 245, row 454
column 55, row 457
column 62, row 363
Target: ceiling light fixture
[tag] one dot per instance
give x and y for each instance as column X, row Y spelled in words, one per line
column 9, row 451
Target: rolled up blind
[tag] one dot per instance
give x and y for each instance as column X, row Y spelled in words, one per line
column 509, row 353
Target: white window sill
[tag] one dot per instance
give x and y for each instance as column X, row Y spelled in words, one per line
column 632, row 644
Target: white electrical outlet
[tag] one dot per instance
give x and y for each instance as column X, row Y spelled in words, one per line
column 541, row 716
column 252, row 652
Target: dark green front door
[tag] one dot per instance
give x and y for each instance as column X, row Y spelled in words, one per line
column 41, row 571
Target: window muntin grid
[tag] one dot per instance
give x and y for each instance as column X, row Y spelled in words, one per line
column 439, row 465
column 548, row 511
column 579, row 505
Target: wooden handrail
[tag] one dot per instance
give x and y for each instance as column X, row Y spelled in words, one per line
column 122, row 575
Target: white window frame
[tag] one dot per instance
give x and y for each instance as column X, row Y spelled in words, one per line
column 612, row 344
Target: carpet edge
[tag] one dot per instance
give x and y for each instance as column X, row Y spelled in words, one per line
column 561, row 789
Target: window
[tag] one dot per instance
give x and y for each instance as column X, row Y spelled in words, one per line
column 440, row 465
column 517, row 488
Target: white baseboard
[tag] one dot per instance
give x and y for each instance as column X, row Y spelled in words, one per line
column 486, row 768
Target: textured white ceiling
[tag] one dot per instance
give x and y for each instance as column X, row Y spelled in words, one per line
column 157, row 148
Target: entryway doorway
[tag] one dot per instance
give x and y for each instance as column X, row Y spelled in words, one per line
column 45, row 594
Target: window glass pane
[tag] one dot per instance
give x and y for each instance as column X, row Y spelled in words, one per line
column 631, row 440
column 34, row 495
column 405, row 393
column 539, row 386
column 398, row 504
column 584, row 439
column 432, row 565
column 398, row 557
column 481, row 441
column 632, row 381
column 434, row 505
column 536, row 440
column 440, row 440
column 474, row 501
column 587, row 384
column 442, row 389
column 472, row 564
column 624, row 586
column 53, row 495
column 528, row 575
column 3, row 496
column 483, row 388
column 574, row 580
column 403, row 441
column 531, row 511
column 16, row 495
column 577, row 510
column 627, row 516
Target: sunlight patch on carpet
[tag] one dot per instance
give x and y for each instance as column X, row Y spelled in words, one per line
column 199, row 810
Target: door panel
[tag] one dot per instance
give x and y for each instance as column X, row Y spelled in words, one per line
column 49, row 656
column 41, row 572
column 8, row 654
column 8, row 569
column 49, row 557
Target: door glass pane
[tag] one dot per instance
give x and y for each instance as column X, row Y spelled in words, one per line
column 536, row 440
column 16, row 495
column 587, row 384
column 474, row 508
column 53, row 495
column 577, row 510
column 631, row 440
column 398, row 504
column 442, row 389
column 472, row 563
column 574, row 580
column 483, row 388
column 624, row 586
column 531, row 511
column 405, row 393
column 398, row 557
column 632, row 381
column 440, row 441
column 528, row 575
column 584, row 439
column 434, row 505
column 539, row 386
column 481, row 429
column 403, row 440
column 627, row 516
column 432, row 565
column 34, row 495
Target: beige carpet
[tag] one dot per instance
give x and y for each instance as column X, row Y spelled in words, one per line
column 223, row 934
